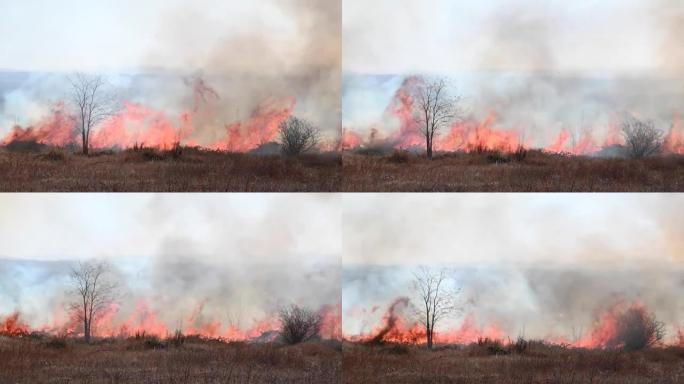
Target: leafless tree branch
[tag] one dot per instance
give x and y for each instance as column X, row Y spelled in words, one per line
column 437, row 296
column 92, row 103
column 94, row 292
column 433, row 108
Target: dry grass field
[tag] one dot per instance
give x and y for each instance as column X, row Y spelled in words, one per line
column 403, row 364
column 26, row 360
column 535, row 171
column 194, row 170
column 149, row 170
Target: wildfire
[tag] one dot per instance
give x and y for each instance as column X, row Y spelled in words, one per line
column 58, row 129
column 616, row 327
column 349, row 140
column 138, row 125
column 144, row 320
column 13, row 326
column 476, row 134
column 395, row 328
column 261, row 128
column 674, row 140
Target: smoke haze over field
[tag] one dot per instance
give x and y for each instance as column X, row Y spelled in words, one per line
column 544, row 72
column 438, row 36
column 203, row 263
column 545, row 266
column 256, row 56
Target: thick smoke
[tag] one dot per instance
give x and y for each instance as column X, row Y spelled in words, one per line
column 257, row 76
column 220, row 266
column 526, row 74
column 552, row 304
column 166, row 294
column 546, row 268
column 254, row 66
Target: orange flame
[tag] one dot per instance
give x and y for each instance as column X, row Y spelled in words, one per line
column 13, row 326
column 608, row 330
column 261, row 128
column 144, row 320
column 58, row 129
column 674, row 140
column 137, row 124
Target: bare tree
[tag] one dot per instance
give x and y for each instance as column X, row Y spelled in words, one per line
column 298, row 136
column 642, row 138
column 299, row 324
column 94, row 292
column 92, row 103
column 433, row 108
column 437, row 298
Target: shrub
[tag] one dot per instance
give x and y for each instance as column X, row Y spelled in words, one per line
column 520, row 153
column 520, row 346
column 299, row 324
column 398, row 349
column 176, row 151
column 178, row 339
column 54, row 156
column 151, row 154
column 399, row 157
column 153, row 342
column 145, row 341
column 642, row 138
column 637, row 329
column 492, row 347
column 496, row 157
column 56, row 343
column 298, row 136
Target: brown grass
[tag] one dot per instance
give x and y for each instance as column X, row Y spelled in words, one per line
column 149, row 170
column 496, row 172
column 196, row 361
column 538, row 364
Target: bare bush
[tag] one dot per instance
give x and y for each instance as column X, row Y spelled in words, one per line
column 298, row 136
column 299, row 324
column 642, row 138
column 637, row 329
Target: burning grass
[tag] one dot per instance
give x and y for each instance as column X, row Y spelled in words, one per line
column 518, row 171
column 178, row 169
column 489, row 361
column 150, row 360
